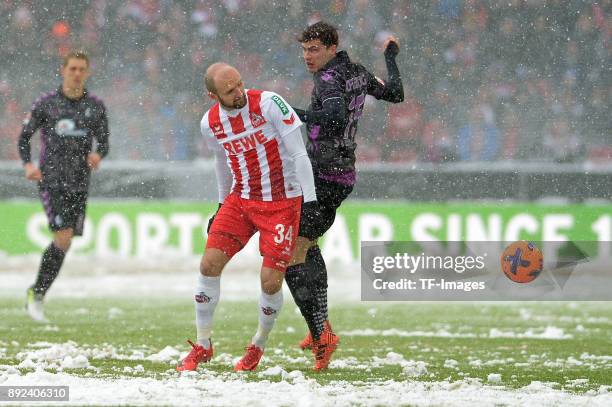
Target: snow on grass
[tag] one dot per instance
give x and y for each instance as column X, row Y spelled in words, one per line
column 294, row 389
column 442, row 333
column 70, row 355
column 410, row 368
column 168, row 354
column 272, row 372
column 550, row 332
column 494, row 378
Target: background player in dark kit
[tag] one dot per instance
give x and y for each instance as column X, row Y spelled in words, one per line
column 337, row 101
column 69, row 119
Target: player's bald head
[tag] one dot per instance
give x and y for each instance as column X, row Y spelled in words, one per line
column 219, row 72
column 225, row 85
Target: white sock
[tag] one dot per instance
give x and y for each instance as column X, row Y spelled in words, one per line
column 269, row 308
column 206, row 299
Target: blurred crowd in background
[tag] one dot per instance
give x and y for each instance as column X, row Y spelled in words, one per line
column 484, row 80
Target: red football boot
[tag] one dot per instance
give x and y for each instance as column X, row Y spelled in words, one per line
column 323, row 349
column 197, row 355
column 250, row 360
column 306, row 343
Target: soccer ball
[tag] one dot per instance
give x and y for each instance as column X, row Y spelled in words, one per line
column 522, row 261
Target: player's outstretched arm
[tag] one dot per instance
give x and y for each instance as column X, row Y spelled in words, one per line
column 394, row 89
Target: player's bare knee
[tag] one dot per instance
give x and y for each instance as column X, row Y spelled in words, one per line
column 213, row 262
column 272, row 285
column 271, row 280
column 209, row 267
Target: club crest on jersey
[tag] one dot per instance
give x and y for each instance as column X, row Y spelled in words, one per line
column 201, row 297
column 268, row 310
column 256, row 119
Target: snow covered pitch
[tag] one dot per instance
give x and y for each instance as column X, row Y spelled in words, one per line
column 116, row 336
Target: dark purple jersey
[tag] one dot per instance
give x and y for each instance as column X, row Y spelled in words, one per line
column 68, row 128
column 331, row 145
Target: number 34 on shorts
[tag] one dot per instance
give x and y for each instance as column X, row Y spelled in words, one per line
column 281, row 235
column 284, row 235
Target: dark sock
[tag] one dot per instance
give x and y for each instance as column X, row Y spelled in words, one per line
column 50, row 265
column 301, row 288
column 316, row 265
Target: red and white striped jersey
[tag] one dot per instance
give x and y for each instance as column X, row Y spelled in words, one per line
column 251, row 137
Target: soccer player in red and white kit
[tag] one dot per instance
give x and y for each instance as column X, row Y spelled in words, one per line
column 263, row 175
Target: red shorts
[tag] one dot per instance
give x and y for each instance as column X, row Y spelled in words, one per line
column 277, row 222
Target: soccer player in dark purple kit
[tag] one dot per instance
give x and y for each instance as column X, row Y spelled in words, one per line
column 337, row 101
column 69, row 120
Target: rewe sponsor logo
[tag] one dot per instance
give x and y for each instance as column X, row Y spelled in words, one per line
column 246, row 143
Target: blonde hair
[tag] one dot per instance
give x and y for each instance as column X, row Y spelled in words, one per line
column 76, row 54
